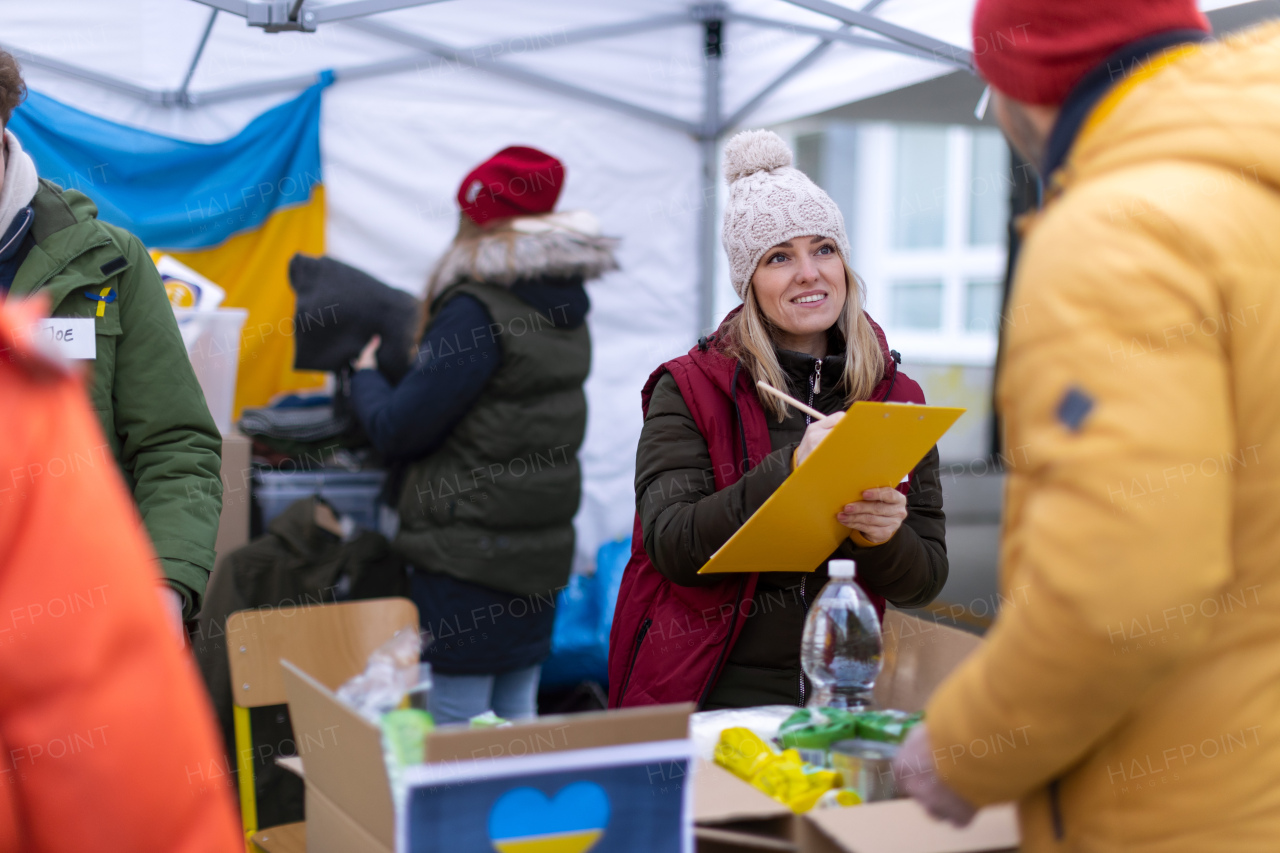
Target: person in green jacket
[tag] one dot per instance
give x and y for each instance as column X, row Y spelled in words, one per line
column 153, row 413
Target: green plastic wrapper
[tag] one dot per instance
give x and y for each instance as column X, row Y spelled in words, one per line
column 887, row 726
column 487, row 720
column 405, row 731
column 817, row 728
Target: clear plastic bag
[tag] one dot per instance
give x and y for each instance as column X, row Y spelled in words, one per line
column 391, row 672
column 764, row 720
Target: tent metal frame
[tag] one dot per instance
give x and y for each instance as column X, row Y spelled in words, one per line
column 299, row 15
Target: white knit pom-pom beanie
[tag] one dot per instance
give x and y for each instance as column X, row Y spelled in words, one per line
column 770, row 203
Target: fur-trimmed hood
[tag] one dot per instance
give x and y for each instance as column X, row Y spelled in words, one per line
column 553, row 245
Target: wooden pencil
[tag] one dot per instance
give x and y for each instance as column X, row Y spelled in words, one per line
column 789, row 400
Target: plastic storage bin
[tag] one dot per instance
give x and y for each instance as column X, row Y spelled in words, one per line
column 353, row 493
column 213, row 345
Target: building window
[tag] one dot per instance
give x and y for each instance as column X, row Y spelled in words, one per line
column 809, row 149
column 982, row 307
column 926, row 209
column 930, row 204
column 920, row 180
column 988, row 189
column 917, row 305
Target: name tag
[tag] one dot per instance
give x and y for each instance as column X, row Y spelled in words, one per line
column 72, row 337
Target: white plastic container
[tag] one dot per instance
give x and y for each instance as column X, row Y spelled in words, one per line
column 213, row 345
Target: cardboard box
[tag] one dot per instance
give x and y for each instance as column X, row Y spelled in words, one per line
column 233, row 525
column 733, row 816
column 349, row 801
column 619, row 775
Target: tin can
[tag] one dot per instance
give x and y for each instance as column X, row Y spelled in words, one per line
column 866, row 766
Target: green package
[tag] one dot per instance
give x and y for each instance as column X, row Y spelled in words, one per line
column 887, row 726
column 487, row 720
column 817, row 728
column 405, row 731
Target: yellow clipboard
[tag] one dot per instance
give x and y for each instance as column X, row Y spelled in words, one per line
column 874, row 445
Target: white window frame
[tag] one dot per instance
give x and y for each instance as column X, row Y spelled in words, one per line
column 955, row 264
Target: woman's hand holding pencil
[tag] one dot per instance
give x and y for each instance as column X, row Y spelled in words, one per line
column 875, row 518
column 818, row 429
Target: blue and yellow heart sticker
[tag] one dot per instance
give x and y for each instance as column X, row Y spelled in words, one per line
column 525, row 820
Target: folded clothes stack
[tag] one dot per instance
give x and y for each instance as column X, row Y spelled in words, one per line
column 303, row 423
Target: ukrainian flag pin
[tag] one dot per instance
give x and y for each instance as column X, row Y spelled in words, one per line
column 103, row 297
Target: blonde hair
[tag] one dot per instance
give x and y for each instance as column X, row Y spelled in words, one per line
column 749, row 336
column 504, row 251
column 468, row 239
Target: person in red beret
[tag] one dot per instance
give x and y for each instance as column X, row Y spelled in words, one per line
column 482, row 434
column 1127, row 695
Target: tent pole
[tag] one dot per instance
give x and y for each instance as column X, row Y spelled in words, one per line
column 107, row 81
column 800, row 65
column 940, row 49
column 712, row 17
column 183, row 90
column 489, row 51
column 563, row 37
column 707, row 243
column 854, row 39
column 514, row 72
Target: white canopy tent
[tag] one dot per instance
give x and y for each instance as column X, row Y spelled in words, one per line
column 633, row 97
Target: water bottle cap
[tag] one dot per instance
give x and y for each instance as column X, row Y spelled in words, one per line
column 841, row 569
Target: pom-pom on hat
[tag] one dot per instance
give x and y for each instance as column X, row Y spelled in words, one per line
column 1036, row 51
column 770, row 203
column 517, row 181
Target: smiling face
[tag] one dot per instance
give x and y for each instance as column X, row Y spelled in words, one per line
column 800, row 286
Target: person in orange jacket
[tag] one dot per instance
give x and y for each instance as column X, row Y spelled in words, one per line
column 106, row 739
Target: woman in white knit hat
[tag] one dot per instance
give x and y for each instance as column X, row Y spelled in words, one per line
column 712, row 451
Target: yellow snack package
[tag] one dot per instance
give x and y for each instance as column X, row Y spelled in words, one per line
column 839, row 798
column 783, row 776
column 743, row 753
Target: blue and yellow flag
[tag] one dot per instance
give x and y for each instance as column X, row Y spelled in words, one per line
column 235, row 211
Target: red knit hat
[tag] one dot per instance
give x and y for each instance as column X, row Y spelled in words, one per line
column 517, row 181
column 1035, row 51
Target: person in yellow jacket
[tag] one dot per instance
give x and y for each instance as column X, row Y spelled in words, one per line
column 1128, row 695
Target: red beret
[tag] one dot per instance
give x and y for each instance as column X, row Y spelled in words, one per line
column 517, row 181
column 1035, row 51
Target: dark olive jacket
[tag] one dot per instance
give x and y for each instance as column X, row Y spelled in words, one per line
column 296, row 563
column 682, row 517
column 151, row 408
column 494, row 504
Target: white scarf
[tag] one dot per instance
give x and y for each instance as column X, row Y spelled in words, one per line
column 20, row 181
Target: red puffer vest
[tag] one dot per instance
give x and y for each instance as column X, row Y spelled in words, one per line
column 669, row 642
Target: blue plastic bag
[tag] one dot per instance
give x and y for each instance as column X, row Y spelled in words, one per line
column 584, row 617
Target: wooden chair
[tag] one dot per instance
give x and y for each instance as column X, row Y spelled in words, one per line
column 286, row 838
column 332, row 642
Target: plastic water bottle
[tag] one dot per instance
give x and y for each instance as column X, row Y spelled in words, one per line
column 842, row 649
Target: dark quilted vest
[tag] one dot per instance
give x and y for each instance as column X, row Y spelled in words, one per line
column 494, row 505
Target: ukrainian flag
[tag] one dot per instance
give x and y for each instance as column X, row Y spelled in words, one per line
column 235, row 211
